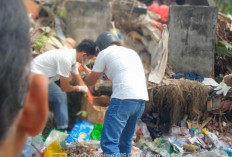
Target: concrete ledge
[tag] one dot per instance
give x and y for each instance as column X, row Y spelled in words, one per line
column 87, row 19
column 192, row 39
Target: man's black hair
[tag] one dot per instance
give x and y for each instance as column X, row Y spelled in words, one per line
column 87, row 46
column 14, row 61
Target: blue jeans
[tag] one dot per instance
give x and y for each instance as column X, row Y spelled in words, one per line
column 26, row 152
column 119, row 126
column 59, row 99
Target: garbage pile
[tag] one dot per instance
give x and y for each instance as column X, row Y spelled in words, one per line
column 184, row 115
column 76, row 142
column 188, row 139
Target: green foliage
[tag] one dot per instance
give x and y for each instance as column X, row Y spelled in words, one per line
column 229, row 9
column 40, row 41
column 224, row 48
column 219, row 78
column 62, row 13
column 224, row 6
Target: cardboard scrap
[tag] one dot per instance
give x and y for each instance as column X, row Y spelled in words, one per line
column 192, row 124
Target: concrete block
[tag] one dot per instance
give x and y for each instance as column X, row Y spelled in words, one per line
column 211, row 3
column 87, row 19
column 192, row 39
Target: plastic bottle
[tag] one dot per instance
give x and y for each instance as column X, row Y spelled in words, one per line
column 90, row 96
column 213, row 138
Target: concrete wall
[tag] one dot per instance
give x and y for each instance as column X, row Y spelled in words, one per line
column 192, row 38
column 87, row 19
column 201, row 2
column 197, row 2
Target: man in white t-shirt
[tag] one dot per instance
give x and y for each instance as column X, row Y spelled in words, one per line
column 58, row 64
column 124, row 67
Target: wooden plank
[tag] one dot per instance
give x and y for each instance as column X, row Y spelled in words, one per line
column 204, row 123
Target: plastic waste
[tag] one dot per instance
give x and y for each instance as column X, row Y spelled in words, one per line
column 56, row 135
column 213, row 138
column 229, row 152
column 178, row 145
column 161, row 10
column 224, row 144
column 37, row 145
column 176, row 130
column 163, row 147
column 99, row 152
column 197, row 140
column 141, row 125
column 212, row 153
column 169, row 138
column 192, row 131
column 149, row 154
column 96, row 133
column 184, row 131
column 80, row 131
column 54, row 147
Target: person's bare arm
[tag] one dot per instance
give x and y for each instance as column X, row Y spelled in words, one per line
column 78, row 79
column 92, row 78
column 65, row 85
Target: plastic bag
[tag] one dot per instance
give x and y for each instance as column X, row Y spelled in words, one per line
column 56, row 135
column 141, row 125
column 96, row 133
column 161, row 10
column 81, row 131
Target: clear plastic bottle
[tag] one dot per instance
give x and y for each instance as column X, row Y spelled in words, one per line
column 213, row 138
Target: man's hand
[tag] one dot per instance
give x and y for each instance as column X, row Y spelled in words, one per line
column 83, row 89
column 84, row 68
column 227, row 80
